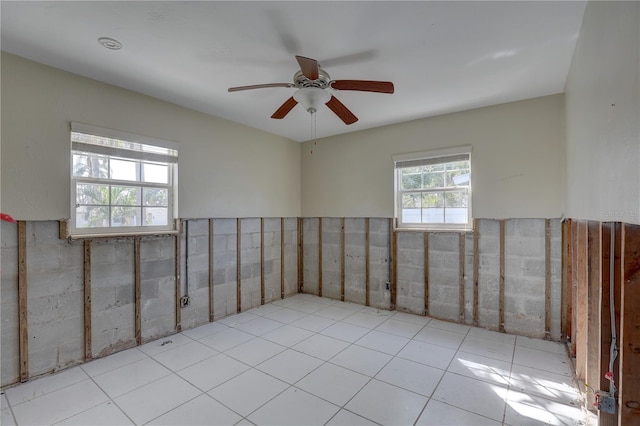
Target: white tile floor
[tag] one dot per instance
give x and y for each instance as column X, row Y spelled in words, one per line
column 308, row 360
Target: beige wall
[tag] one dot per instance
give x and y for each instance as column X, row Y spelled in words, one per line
column 226, row 169
column 603, row 115
column 518, row 161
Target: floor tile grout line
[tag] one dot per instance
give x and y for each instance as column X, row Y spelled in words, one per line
column 513, row 356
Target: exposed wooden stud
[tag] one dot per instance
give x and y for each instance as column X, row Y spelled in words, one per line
column 461, row 259
column 137, row 291
column 564, row 301
column 426, row 273
column 262, row 261
column 63, row 229
column 501, row 294
column 238, row 265
column 178, row 272
column 367, row 278
column 594, row 283
column 300, row 255
column 629, row 383
column 394, row 265
column 607, row 255
column 320, row 257
column 582, row 302
column 282, row 258
column 22, row 301
column 87, row 300
column 547, row 279
column 342, row 259
column 572, row 287
column 476, row 270
column 211, row 296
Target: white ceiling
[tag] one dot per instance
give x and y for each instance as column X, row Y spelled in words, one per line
column 442, row 56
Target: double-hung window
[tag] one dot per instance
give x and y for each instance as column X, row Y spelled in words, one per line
column 121, row 183
column 433, row 189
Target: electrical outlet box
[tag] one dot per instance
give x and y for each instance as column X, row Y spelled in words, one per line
column 185, row 301
column 388, row 285
column 607, row 404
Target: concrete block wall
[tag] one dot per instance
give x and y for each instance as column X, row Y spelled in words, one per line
column 379, row 262
column 225, row 246
column 410, row 275
column 488, row 272
column 524, row 280
column 272, row 256
column 9, row 352
column 55, row 301
column 250, row 270
column 112, row 296
column 310, row 254
column 55, row 274
column 444, row 275
column 290, row 256
column 331, row 258
column 194, row 274
column 354, row 261
column 157, row 287
column 55, row 286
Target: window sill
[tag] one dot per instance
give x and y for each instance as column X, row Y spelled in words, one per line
column 121, row 235
column 463, row 230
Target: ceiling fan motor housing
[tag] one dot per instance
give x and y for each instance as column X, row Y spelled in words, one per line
column 322, row 82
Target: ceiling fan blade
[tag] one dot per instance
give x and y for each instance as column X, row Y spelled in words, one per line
column 259, row 86
column 285, row 108
column 363, row 85
column 341, row 111
column 308, row 66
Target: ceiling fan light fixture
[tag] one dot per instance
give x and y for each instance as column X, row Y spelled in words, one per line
column 311, row 98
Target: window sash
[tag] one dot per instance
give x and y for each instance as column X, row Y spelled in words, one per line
column 402, row 162
column 142, row 154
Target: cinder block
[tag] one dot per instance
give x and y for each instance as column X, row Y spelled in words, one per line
column 443, row 260
column 444, row 242
column 410, row 241
column 224, row 227
column 198, row 226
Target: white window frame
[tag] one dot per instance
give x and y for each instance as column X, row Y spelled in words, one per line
column 443, row 154
column 166, row 154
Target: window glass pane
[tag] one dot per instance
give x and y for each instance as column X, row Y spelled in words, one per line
column 124, row 169
column 440, row 195
column 456, row 215
column 411, row 181
column 92, row 217
column 434, row 168
column 411, row 200
column 94, row 194
column 456, row 199
column 434, row 180
column 433, row 199
column 433, row 215
column 125, row 216
column 95, row 166
column 458, row 178
column 156, row 196
column 411, row 215
column 155, row 216
column 156, row 173
column 458, row 165
column 411, row 207
column 125, row 195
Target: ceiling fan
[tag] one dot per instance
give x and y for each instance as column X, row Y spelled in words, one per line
column 312, row 82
